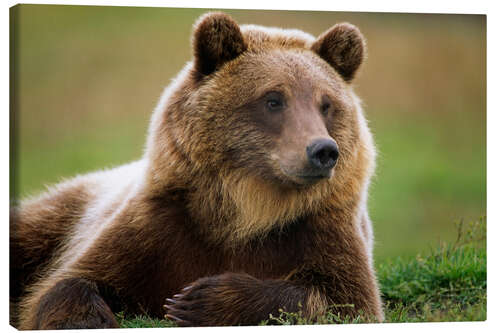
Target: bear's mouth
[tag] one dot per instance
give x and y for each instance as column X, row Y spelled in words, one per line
column 312, row 179
column 307, row 177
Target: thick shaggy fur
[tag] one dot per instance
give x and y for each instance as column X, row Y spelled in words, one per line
column 213, row 226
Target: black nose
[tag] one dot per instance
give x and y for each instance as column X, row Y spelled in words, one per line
column 323, row 154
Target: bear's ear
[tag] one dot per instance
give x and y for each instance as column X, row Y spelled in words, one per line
column 216, row 39
column 343, row 47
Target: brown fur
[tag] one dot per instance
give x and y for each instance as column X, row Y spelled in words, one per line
column 215, row 205
column 56, row 307
column 32, row 239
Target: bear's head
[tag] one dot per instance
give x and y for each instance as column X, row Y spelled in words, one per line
column 267, row 118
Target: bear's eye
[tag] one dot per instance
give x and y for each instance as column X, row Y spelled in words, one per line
column 325, row 107
column 275, row 101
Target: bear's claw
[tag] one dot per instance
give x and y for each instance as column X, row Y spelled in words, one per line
column 174, row 313
column 179, row 321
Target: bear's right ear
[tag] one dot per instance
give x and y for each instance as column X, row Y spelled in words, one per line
column 216, row 39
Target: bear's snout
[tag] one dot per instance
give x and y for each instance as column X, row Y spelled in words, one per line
column 322, row 155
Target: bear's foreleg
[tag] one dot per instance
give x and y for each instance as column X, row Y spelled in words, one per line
column 235, row 299
column 70, row 304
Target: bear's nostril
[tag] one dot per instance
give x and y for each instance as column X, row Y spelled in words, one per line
column 323, row 154
column 327, row 157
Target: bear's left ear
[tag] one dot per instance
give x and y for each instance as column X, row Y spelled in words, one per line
column 217, row 39
column 343, row 47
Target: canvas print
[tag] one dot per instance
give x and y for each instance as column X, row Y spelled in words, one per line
column 206, row 167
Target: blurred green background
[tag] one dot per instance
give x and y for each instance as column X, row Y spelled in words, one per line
column 84, row 81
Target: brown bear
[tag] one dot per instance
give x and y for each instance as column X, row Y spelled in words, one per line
column 250, row 197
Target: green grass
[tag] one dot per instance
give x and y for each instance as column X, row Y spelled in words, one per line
column 143, row 322
column 448, row 284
